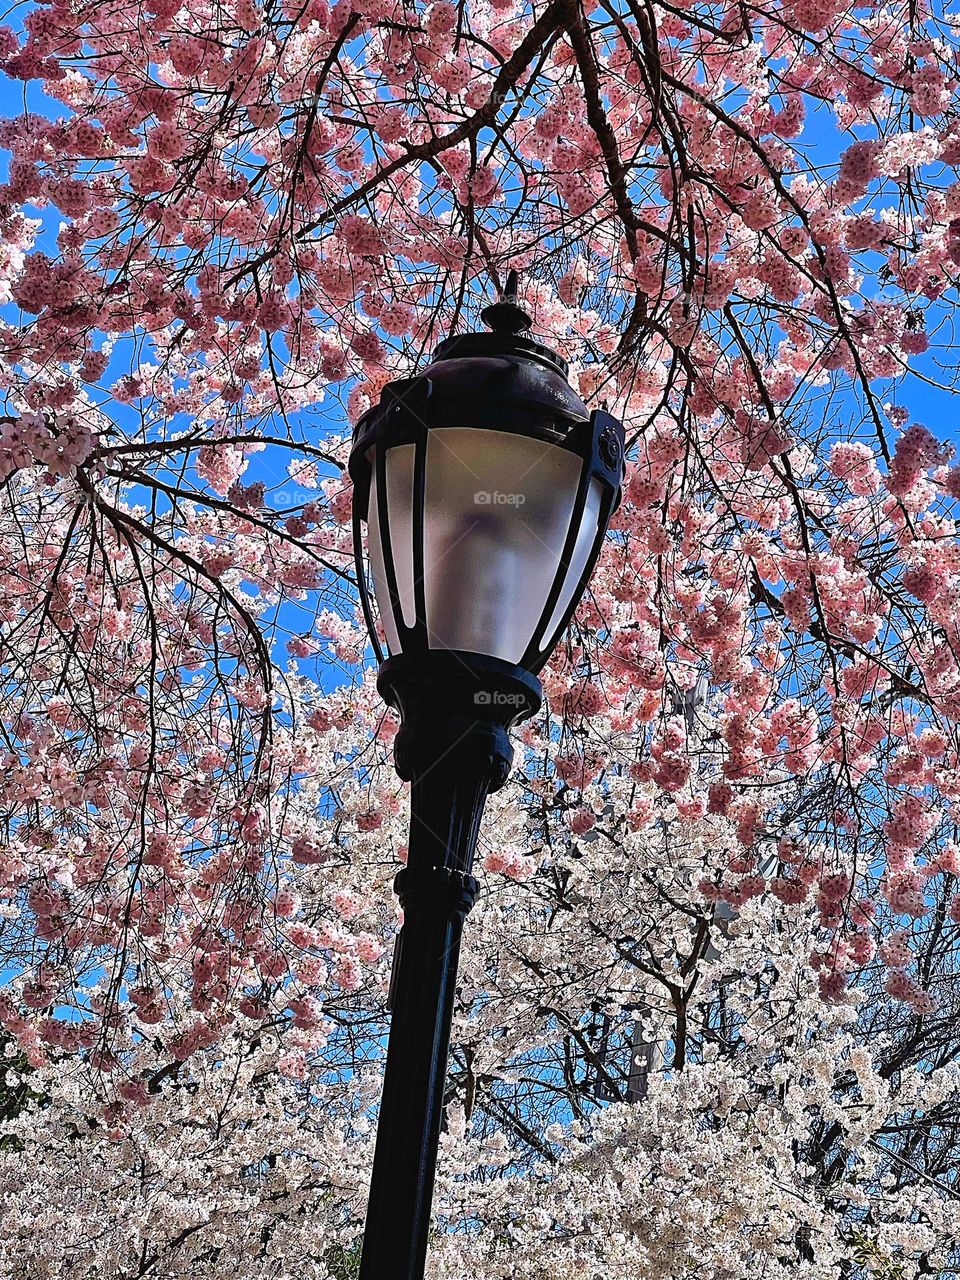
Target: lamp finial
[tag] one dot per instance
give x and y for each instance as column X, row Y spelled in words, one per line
column 506, row 316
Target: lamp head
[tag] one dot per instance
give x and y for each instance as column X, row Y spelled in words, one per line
column 486, row 486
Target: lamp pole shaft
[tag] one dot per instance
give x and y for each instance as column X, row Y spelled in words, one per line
column 437, row 891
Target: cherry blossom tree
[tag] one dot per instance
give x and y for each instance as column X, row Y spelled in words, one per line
column 223, row 227
column 799, row 1136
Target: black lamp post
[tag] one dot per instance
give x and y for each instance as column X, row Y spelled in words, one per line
column 486, row 486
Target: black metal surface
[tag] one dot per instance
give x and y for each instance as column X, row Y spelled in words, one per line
column 457, row 751
column 445, row 814
column 456, row 706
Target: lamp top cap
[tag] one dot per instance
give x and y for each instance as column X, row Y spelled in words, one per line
column 506, row 315
column 509, row 323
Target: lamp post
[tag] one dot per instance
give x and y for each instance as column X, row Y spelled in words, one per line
column 486, row 487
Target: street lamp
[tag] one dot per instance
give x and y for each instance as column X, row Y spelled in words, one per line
column 486, row 486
